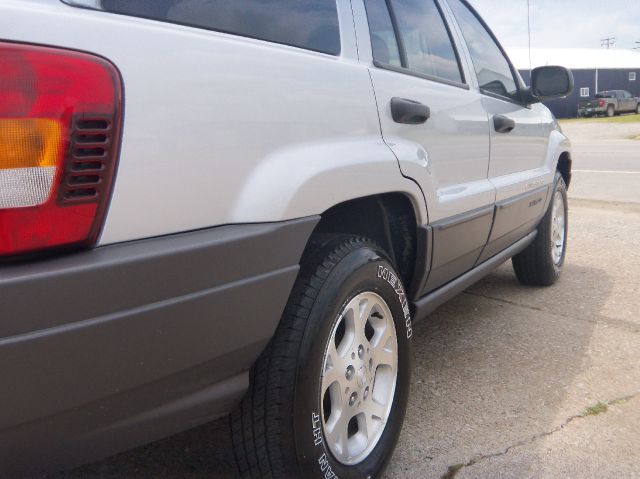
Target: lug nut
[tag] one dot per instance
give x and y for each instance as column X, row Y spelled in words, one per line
column 353, row 399
column 361, row 351
column 353, row 355
column 350, row 372
column 366, row 392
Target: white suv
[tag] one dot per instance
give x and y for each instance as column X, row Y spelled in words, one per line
column 213, row 207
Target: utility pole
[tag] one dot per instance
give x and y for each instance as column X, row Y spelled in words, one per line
column 529, row 32
column 608, row 42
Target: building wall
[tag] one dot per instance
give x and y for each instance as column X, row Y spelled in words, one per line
column 607, row 80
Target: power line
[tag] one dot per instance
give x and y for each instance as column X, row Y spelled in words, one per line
column 638, row 47
column 608, row 42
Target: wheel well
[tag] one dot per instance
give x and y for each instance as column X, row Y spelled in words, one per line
column 564, row 167
column 388, row 219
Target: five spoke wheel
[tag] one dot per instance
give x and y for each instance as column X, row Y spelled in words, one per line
column 557, row 228
column 359, row 375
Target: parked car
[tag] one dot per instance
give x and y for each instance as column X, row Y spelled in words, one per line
column 610, row 103
column 213, row 208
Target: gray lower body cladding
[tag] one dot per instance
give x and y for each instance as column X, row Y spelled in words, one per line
column 106, row 349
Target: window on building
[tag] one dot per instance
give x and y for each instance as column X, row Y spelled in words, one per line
column 428, row 46
column 584, row 92
column 632, row 76
column 492, row 67
column 310, row 24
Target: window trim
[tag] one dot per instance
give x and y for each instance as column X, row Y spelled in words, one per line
column 424, row 76
column 514, row 73
column 93, row 5
column 632, row 76
column 404, row 69
column 583, row 89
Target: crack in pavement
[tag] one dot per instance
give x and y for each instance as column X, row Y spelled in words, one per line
column 454, row 469
column 619, row 323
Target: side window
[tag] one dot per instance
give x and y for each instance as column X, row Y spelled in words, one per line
column 427, row 42
column 309, row 24
column 383, row 38
column 419, row 41
column 491, row 66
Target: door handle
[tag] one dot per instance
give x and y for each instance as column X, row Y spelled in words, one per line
column 409, row 112
column 502, row 124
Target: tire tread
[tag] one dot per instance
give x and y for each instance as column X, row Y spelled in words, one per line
column 261, row 431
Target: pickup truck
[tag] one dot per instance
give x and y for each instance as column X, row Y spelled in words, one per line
column 211, row 208
column 609, row 103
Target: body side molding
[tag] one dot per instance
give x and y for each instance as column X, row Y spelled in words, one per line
column 425, row 306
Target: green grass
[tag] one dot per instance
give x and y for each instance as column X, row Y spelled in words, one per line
column 596, row 409
column 615, row 119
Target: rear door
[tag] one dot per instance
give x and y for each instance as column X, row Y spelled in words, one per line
column 629, row 101
column 417, row 66
column 519, row 134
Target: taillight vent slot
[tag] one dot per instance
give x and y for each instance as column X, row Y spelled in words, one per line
column 90, row 151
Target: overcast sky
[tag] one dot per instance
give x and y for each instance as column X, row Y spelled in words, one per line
column 563, row 23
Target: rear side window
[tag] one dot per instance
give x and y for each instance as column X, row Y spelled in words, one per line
column 383, row 38
column 414, row 34
column 308, row 24
column 491, row 66
column 427, row 43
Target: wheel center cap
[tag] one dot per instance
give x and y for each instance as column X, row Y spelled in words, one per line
column 361, row 376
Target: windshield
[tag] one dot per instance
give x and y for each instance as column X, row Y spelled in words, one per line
column 605, row 94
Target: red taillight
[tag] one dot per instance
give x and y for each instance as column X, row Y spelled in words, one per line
column 59, row 137
column 601, row 103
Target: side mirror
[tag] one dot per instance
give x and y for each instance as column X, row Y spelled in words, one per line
column 551, row 82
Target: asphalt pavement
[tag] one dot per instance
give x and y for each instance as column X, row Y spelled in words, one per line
column 509, row 381
column 606, row 160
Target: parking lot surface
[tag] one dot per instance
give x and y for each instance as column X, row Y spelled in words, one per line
column 504, row 373
column 508, row 381
column 606, row 160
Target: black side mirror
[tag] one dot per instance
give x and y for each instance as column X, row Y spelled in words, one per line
column 551, row 82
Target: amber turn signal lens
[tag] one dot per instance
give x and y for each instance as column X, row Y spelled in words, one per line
column 30, row 143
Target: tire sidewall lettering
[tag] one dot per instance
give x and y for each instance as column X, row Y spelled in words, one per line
column 390, row 277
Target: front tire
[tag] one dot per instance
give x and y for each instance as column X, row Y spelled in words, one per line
column 540, row 264
column 329, row 394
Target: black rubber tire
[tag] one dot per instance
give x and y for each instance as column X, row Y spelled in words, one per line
column 276, row 428
column 638, row 110
column 535, row 266
column 611, row 111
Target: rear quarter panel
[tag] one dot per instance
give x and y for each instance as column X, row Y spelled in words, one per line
column 221, row 129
